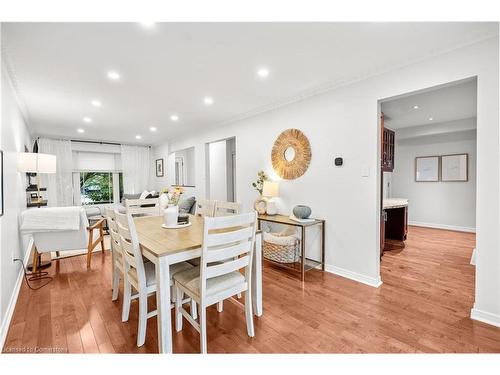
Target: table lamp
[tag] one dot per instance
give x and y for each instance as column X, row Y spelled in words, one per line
column 32, row 162
column 270, row 190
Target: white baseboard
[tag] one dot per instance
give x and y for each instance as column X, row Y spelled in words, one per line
column 485, row 317
column 375, row 282
column 13, row 298
column 443, row 226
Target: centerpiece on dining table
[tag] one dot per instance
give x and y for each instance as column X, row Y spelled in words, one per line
column 169, row 201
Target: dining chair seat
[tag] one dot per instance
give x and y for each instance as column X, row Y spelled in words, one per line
column 150, row 272
column 190, row 279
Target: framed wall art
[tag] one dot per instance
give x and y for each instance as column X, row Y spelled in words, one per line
column 159, row 168
column 427, row 168
column 454, row 167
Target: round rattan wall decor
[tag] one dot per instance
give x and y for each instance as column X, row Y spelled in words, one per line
column 291, row 154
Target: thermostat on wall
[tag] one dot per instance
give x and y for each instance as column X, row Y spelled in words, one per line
column 339, row 162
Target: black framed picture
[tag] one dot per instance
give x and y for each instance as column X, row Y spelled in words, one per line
column 159, row 167
column 1, row 183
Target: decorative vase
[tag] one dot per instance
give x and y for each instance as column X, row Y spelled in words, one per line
column 170, row 215
column 260, row 206
column 163, row 201
column 301, row 211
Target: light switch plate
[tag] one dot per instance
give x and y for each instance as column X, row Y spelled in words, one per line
column 365, row 171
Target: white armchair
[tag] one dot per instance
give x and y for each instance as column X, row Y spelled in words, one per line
column 60, row 240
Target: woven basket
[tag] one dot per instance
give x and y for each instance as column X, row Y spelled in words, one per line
column 289, row 253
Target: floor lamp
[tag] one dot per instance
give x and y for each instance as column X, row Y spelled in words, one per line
column 32, row 162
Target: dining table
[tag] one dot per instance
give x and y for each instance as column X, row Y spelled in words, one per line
column 164, row 247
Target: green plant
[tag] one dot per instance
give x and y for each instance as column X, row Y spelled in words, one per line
column 259, row 184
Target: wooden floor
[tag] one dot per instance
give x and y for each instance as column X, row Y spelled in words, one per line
column 423, row 306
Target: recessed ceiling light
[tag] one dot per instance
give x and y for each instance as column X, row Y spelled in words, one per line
column 80, row 130
column 263, row 72
column 416, row 107
column 431, row 118
column 174, row 118
column 138, row 136
column 87, row 119
column 96, row 103
column 148, row 24
column 152, row 128
column 208, row 100
column 115, row 76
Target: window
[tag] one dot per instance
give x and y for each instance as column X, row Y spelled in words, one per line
column 97, row 187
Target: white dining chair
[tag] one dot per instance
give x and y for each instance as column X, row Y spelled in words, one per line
column 226, row 208
column 143, row 207
column 205, row 207
column 223, row 208
column 117, row 261
column 140, row 275
column 228, row 246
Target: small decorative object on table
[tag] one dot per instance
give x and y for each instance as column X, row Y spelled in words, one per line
column 301, row 212
column 171, row 213
column 260, row 204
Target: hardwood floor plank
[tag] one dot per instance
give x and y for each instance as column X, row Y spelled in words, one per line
column 423, row 305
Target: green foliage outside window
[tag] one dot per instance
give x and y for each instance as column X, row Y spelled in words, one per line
column 96, row 187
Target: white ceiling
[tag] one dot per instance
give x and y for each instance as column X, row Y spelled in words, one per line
column 452, row 102
column 60, row 67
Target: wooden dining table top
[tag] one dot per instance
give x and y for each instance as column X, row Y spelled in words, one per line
column 162, row 241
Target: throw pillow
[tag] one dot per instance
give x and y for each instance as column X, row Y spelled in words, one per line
column 186, row 205
column 149, row 196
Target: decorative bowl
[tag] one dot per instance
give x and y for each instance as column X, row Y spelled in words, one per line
column 301, row 211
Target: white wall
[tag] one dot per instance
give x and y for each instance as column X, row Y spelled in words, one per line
column 343, row 122
column 218, row 170
column 14, row 136
column 439, row 204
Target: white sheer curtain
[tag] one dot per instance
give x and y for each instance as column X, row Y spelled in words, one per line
column 60, row 184
column 135, row 168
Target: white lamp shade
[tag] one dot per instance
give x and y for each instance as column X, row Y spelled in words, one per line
column 30, row 162
column 270, row 189
column 26, row 162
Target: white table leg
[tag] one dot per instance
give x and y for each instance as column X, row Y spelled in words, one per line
column 257, row 276
column 163, row 305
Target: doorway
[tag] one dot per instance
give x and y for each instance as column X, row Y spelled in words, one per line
column 428, row 176
column 221, row 170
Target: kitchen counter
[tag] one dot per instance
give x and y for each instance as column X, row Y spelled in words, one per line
column 394, row 203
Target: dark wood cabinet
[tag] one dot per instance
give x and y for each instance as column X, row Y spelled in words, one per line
column 387, row 148
column 396, row 224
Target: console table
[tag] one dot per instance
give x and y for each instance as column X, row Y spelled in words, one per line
column 305, row 263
